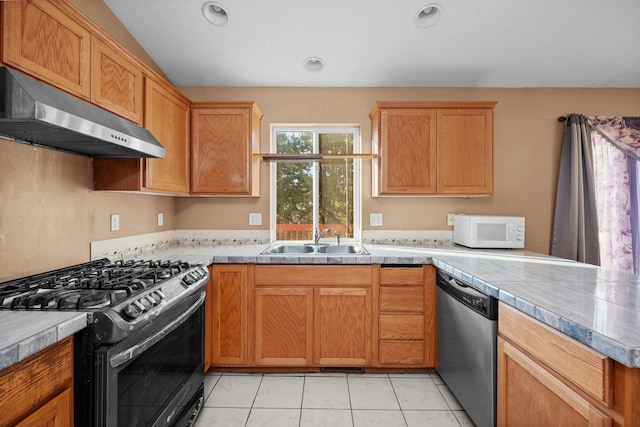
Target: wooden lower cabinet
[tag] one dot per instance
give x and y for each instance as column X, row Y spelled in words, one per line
column 546, row 378
column 531, row 395
column 313, row 316
column 406, row 321
column 230, row 310
column 39, row 390
column 342, row 327
column 283, row 327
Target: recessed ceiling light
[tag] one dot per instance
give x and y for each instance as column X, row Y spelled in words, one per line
column 428, row 16
column 313, row 64
column 215, row 13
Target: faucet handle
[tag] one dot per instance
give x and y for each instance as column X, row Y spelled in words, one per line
column 337, row 234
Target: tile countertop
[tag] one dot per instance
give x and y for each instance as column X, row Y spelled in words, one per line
column 598, row 307
column 27, row 332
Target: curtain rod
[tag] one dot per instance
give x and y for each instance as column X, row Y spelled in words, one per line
column 562, row 119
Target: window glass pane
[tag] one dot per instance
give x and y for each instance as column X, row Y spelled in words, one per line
column 335, row 202
column 310, row 195
column 294, row 210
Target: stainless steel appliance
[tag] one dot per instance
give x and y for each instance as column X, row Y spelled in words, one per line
column 467, row 335
column 140, row 362
column 34, row 112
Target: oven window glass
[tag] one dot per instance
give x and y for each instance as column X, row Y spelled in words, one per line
column 148, row 384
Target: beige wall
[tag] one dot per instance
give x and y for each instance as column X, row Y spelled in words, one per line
column 527, row 141
column 49, row 214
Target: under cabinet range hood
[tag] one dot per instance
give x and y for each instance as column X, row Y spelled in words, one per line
column 39, row 114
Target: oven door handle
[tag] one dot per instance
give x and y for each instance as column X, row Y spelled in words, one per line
column 135, row 350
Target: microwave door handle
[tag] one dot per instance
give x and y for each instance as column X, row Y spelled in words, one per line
column 135, row 350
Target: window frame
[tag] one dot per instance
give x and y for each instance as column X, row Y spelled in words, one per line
column 357, row 176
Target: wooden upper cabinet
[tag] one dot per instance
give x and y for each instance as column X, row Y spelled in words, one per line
column 117, row 82
column 432, row 148
column 167, row 117
column 41, row 40
column 224, row 138
column 465, row 151
column 406, row 151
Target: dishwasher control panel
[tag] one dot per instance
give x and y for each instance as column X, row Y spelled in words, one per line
column 478, row 301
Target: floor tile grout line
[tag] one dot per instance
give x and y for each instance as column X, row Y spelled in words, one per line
column 398, row 400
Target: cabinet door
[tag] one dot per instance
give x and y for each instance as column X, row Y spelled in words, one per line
column 230, row 313
column 117, row 82
column 167, row 117
column 222, row 151
column 342, row 327
column 41, row 40
column 530, row 395
column 283, row 327
column 407, row 152
column 56, row 412
column 465, row 151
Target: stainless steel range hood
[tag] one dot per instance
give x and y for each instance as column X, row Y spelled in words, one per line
column 36, row 113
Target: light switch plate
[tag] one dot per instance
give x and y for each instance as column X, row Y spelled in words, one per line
column 450, row 219
column 375, row 220
column 115, row 222
column 160, row 219
column 255, row 218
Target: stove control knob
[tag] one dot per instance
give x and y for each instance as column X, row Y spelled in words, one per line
column 132, row 311
column 160, row 294
column 189, row 279
column 149, row 299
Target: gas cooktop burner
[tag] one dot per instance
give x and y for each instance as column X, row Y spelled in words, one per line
column 90, row 286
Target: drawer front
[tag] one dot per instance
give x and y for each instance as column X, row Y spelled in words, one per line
column 309, row 275
column 402, row 353
column 402, row 299
column 402, row 276
column 407, row 327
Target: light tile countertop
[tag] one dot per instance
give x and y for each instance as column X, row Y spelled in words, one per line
column 598, row 307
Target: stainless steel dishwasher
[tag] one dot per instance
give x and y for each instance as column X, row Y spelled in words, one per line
column 467, row 331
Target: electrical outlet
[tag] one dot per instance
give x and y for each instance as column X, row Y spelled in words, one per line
column 255, row 218
column 115, row 222
column 450, row 219
column 160, row 219
column 375, row 220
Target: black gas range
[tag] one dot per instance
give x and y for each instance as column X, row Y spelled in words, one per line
column 140, row 361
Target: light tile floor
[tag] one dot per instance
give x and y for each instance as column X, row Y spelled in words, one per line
column 331, row 400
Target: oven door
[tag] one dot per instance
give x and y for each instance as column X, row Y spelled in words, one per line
column 153, row 377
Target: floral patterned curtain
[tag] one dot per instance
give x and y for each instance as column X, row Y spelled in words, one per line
column 616, row 148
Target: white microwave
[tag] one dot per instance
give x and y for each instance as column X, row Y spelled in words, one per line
column 489, row 231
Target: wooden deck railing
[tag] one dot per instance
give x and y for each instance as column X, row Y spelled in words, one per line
column 305, row 231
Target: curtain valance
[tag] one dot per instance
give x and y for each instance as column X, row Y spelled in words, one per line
column 625, row 136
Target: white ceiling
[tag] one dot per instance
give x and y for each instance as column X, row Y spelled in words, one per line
column 477, row 43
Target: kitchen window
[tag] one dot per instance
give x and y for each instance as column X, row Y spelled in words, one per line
column 316, row 187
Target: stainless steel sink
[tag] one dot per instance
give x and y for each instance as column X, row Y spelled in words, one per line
column 301, row 249
column 342, row 249
column 290, row 249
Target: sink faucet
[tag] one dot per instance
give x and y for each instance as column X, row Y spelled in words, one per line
column 319, row 236
column 337, row 237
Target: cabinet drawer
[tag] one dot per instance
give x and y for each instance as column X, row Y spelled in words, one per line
column 581, row 365
column 402, row 299
column 402, row 353
column 309, row 275
column 401, row 276
column 407, row 327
